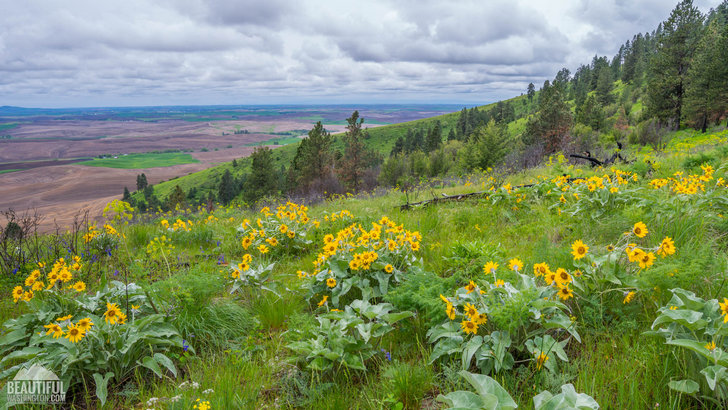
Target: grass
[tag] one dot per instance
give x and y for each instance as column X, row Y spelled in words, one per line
column 242, row 360
column 8, row 126
column 5, row 171
column 139, row 161
column 275, row 141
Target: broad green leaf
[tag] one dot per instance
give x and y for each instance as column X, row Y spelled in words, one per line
column 486, row 386
column 152, row 365
column 689, row 318
column 462, row 400
column 393, row 318
column 714, row 375
column 469, row 350
column 102, row 385
column 684, row 386
column 166, row 362
column 446, row 347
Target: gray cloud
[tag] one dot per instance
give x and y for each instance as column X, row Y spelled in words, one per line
column 142, row 52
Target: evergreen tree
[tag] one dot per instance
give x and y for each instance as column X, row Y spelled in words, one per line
column 434, row 138
column 487, row 146
column 398, row 147
column 590, row 113
column 141, row 182
column 354, row 161
column 551, row 124
column 604, row 86
column 127, row 195
column 451, row 135
column 176, row 197
column 226, row 188
column 262, row 180
column 706, row 94
column 531, row 91
column 669, row 66
column 313, row 158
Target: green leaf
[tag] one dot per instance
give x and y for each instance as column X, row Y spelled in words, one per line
column 365, row 330
column 684, row 386
column 689, row 318
column 486, row 386
column 152, row 365
column 25, row 354
column 354, row 361
column 393, row 318
column 462, row 400
column 501, row 343
column 166, row 362
column 446, row 347
column 469, row 350
column 13, row 339
column 102, row 385
column 383, row 279
column 714, row 375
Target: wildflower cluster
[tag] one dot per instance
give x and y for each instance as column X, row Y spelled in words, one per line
column 342, row 215
column 688, row 185
column 284, row 229
column 359, row 258
column 178, row 225
column 159, row 245
column 74, row 332
column 485, row 320
column 629, row 255
column 59, row 277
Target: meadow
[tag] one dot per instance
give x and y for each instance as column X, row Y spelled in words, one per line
column 589, row 287
column 142, row 160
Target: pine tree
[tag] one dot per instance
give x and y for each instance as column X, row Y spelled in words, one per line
column 551, row 124
column 262, row 180
column 669, row 66
column 313, row 158
column 604, row 86
column 434, row 138
column 531, row 91
column 127, row 195
column 487, row 146
column 590, row 113
column 451, row 135
column 176, row 197
column 226, row 189
column 141, row 182
column 398, row 147
column 706, row 94
column 352, row 164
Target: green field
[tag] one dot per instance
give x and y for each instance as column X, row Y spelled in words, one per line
column 138, row 161
column 275, row 141
column 8, row 126
column 5, row 171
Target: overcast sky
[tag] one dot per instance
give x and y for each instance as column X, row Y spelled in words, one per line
column 179, row 52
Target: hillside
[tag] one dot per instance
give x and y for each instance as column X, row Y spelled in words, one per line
column 381, row 140
column 565, row 249
column 242, row 324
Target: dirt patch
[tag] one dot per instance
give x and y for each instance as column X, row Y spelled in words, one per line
column 60, row 192
column 37, row 164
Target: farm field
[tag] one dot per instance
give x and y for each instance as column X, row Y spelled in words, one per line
column 41, row 144
column 601, row 284
column 140, row 161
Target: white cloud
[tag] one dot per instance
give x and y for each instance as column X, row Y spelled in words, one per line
column 143, row 52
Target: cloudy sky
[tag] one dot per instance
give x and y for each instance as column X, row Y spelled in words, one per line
column 77, row 53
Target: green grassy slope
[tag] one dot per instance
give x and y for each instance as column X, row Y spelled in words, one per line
column 241, row 338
